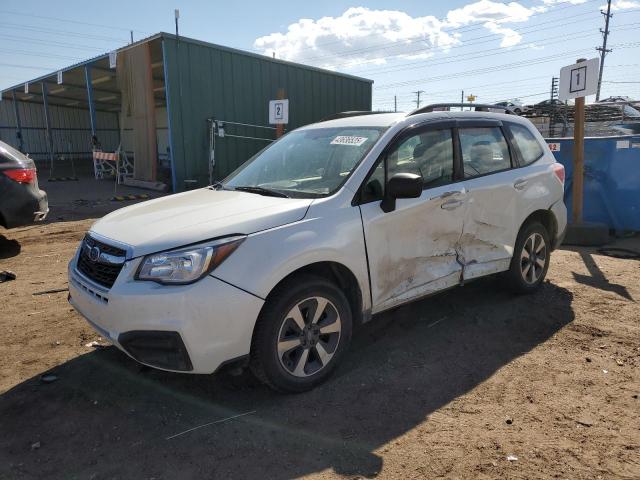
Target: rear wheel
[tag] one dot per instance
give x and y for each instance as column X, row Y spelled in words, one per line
column 301, row 335
column 530, row 260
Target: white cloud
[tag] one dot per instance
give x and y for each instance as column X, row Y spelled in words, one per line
column 622, row 5
column 488, row 11
column 509, row 37
column 535, row 46
column 573, row 2
column 360, row 33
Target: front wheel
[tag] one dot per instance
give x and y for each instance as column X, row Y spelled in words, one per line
column 530, row 260
column 301, row 335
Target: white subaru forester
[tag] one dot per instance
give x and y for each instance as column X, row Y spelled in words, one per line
column 334, row 222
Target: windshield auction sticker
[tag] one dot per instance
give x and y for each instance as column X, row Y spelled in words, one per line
column 348, row 140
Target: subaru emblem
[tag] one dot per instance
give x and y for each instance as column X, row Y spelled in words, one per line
column 94, row 254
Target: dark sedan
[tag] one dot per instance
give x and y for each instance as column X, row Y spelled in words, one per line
column 21, row 201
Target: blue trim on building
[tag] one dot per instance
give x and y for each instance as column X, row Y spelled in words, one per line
column 92, row 107
column 47, row 121
column 16, row 112
column 168, row 97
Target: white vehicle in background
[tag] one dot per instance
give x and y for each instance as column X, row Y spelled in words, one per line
column 516, row 106
column 332, row 223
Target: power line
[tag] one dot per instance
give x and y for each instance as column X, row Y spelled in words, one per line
column 34, row 67
column 46, row 55
column 480, row 70
column 490, row 37
column 467, row 44
column 413, row 39
column 54, row 43
column 506, row 66
column 476, row 54
column 67, row 20
column 34, row 28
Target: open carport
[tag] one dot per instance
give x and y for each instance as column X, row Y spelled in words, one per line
column 155, row 102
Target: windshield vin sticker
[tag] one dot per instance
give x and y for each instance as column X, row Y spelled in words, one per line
column 348, row 140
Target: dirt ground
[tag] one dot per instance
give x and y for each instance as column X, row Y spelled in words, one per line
column 451, row 386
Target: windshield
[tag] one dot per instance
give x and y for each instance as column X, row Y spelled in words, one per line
column 306, row 163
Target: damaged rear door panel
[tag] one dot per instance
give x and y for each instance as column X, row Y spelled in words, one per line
column 491, row 219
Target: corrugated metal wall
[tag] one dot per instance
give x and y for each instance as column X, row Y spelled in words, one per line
column 206, row 81
column 70, row 129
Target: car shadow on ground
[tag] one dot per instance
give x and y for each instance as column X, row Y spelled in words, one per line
column 8, row 247
column 107, row 417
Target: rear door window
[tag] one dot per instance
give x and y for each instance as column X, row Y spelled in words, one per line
column 484, row 151
column 526, row 143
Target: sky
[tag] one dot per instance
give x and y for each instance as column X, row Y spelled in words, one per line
column 493, row 50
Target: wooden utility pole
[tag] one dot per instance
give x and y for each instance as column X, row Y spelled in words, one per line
column 461, row 100
column 603, row 50
column 418, row 97
column 280, row 126
column 395, row 103
column 578, row 158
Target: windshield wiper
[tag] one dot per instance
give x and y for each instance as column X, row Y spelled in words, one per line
column 262, row 191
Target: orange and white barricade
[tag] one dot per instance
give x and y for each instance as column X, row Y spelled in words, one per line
column 105, row 164
column 114, row 164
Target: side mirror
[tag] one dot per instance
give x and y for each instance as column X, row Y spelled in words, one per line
column 401, row 185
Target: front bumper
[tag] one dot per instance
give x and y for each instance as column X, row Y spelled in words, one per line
column 211, row 319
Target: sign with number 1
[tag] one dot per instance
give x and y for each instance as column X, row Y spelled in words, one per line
column 579, row 80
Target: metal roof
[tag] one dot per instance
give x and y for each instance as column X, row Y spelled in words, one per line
column 160, row 35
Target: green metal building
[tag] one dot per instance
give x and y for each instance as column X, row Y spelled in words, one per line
column 167, row 102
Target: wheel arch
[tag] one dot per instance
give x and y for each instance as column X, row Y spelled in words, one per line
column 337, row 273
column 547, row 219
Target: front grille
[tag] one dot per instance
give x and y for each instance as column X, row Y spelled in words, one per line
column 100, row 271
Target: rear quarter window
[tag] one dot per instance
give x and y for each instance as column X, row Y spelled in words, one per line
column 528, row 146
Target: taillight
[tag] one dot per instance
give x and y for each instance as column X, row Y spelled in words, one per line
column 558, row 169
column 21, row 175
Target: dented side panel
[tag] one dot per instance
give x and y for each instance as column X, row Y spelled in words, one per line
column 412, row 250
column 490, row 224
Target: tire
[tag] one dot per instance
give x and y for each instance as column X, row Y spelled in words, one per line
column 517, row 111
column 526, row 274
column 288, row 357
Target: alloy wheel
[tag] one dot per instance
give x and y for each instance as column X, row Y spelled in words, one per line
column 533, row 258
column 309, row 336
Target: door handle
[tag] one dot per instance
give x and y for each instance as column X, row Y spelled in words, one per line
column 520, row 184
column 451, row 204
column 449, row 194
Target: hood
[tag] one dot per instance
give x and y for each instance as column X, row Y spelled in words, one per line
column 195, row 216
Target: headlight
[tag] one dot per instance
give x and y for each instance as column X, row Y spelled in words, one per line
column 187, row 265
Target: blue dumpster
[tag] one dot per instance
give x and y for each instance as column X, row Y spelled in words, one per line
column 611, row 179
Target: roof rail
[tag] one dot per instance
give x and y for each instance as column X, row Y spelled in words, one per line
column 479, row 107
column 351, row 113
